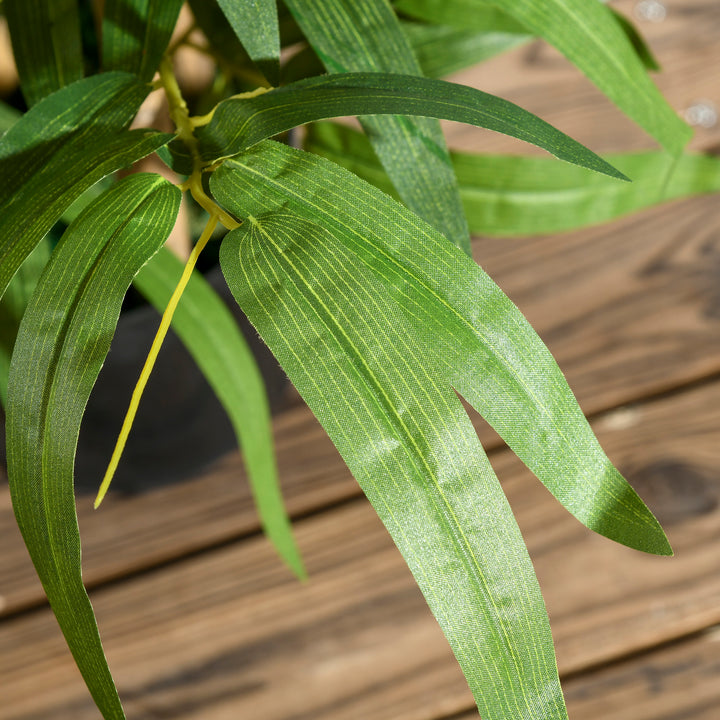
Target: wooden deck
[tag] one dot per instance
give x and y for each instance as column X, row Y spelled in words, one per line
column 201, row 621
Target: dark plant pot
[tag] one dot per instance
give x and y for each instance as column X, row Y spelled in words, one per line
column 181, row 426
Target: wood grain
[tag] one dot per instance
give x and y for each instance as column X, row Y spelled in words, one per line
column 229, row 633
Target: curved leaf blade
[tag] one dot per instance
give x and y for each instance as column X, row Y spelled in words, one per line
column 237, row 124
column 482, row 16
column 442, row 50
column 61, row 345
column 466, row 14
column 46, row 45
column 256, row 26
column 13, row 304
column 511, row 196
column 214, row 25
column 210, row 333
column 135, row 34
column 410, row 445
column 60, row 148
column 365, row 35
column 490, row 353
column 591, row 37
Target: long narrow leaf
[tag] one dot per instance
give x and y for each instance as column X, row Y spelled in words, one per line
column 215, row 26
column 510, row 195
column 364, row 35
column 210, row 333
column 238, row 124
column 46, row 44
column 482, row 16
column 60, row 148
column 8, row 117
column 440, row 50
column 468, row 14
column 405, row 436
column 443, row 50
column 590, row 36
column 13, row 305
column 490, row 353
column 256, row 26
column 135, row 34
column 62, row 343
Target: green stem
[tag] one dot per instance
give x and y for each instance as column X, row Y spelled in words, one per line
column 152, row 357
column 185, row 128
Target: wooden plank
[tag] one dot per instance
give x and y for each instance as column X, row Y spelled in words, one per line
column 629, row 309
column 230, row 634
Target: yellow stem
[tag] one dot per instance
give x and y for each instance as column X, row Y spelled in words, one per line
column 152, row 357
column 185, row 131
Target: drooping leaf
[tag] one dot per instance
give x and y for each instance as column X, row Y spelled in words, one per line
column 210, row 333
column 591, row 37
column 60, row 148
column 511, row 195
column 8, row 117
column 13, row 304
column 62, row 343
column 442, row 50
column 402, row 431
column 46, row 44
column 482, row 16
column 216, row 28
column 642, row 49
column 477, row 15
column 365, row 35
column 489, row 352
column 135, row 34
column 239, row 123
column 256, row 26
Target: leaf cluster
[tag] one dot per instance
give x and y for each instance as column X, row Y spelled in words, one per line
column 350, row 257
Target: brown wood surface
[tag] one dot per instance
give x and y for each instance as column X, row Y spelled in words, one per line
column 229, row 633
column 202, row 621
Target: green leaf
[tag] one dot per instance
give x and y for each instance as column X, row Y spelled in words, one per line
column 590, row 36
column 509, row 195
column 62, row 343
column 466, row 14
column 256, row 26
column 238, row 124
column 60, row 148
column 641, row 48
column 490, row 354
column 217, row 30
column 210, row 333
column 442, row 50
column 405, row 436
column 365, row 35
column 135, row 34
column 8, row 117
column 46, row 44
column 13, row 305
